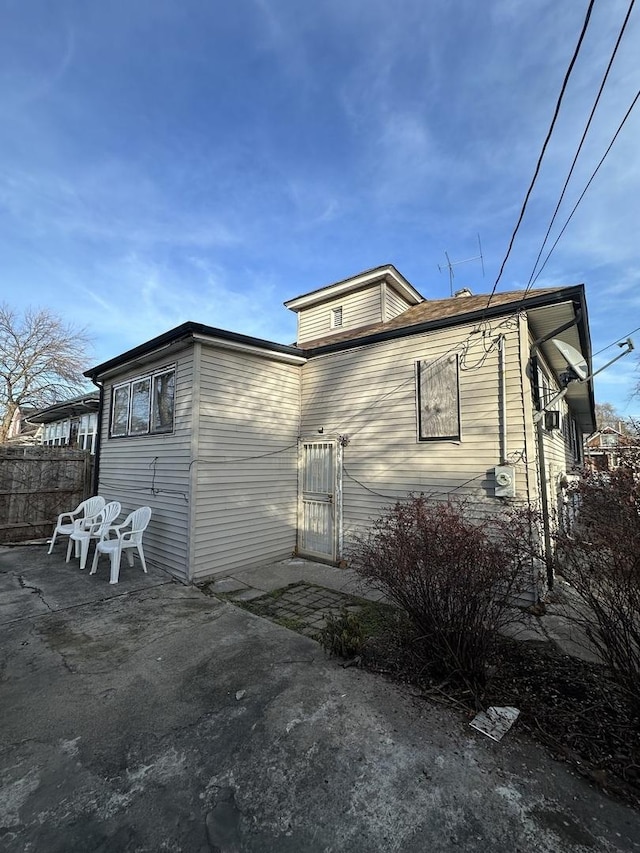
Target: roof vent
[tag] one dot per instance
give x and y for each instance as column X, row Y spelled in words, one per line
column 464, row 292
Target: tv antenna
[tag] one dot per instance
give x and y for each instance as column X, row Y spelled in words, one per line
column 451, row 264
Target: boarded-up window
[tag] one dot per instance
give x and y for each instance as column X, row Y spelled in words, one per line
column 438, row 399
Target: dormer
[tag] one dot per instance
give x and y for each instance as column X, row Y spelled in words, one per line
column 372, row 297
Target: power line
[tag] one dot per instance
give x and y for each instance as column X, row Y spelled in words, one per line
column 617, row 341
column 582, row 140
column 589, row 182
column 544, row 147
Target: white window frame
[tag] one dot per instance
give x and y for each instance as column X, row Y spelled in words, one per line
column 56, row 433
column 336, row 317
column 87, row 430
column 608, row 440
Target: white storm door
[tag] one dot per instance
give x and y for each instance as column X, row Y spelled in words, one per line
column 318, row 511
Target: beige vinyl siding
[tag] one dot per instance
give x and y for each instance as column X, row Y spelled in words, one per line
column 153, row 470
column 394, row 304
column 245, row 510
column 557, row 449
column 369, row 395
column 359, row 308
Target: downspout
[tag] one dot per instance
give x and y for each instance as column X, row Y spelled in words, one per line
column 96, row 463
column 503, row 400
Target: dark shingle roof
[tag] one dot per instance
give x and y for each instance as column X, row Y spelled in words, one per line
column 436, row 310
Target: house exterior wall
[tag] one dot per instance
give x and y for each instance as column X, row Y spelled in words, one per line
column 561, row 448
column 608, row 449
column 153, row 470
column 359, row 308
column 245, row 490
column 369, row 395
column 394, row 304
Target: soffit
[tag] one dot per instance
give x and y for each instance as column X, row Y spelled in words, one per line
column 544, row 321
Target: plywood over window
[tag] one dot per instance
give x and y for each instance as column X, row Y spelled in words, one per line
column 438, row 399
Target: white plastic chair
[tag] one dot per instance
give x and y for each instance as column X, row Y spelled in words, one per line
column 84, row 533
column 86, row 512
column 128, row 535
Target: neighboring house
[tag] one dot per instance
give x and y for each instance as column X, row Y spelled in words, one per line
column 70, row 423
column 608, row 449
column 249, row 450
column 21, row 431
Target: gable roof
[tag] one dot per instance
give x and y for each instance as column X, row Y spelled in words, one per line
column 387, row 273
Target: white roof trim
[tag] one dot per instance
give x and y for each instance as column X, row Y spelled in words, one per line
column 274, row 355
column 389, row 274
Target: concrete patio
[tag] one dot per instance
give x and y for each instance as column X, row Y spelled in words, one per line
column 148, row 716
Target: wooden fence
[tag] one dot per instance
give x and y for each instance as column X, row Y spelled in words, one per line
column 36, row 484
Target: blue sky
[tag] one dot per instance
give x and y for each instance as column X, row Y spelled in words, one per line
column 172, row 160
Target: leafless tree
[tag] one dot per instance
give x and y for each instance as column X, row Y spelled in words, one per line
column 41, row 361
column 607, row 416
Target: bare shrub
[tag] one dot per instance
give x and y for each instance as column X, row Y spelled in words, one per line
column 600, row 558
column 456, row 579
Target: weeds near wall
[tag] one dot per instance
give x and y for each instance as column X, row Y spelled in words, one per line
column 456, row 579
column 343, row 635
column 600, row 558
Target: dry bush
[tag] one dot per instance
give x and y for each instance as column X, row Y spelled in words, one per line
column 343, row 635
column 456, row 579
column 600, row 558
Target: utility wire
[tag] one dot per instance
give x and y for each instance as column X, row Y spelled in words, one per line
column 617, row 341
column 582, row 140
column 583, row 193
column 544, row 147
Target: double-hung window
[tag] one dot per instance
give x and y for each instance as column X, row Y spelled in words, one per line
column 87, row 432
column 144, row 405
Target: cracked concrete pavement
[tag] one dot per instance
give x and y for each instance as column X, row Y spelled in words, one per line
column 147, row 716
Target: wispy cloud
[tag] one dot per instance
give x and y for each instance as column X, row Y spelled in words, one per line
column 109, row 202
column 148, row 297
column 38, row 76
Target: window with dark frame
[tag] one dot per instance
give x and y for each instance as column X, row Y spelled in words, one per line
column 120, row 410
column 143, row 405
column 163, row 401
column 438, row 399
column 140, row 397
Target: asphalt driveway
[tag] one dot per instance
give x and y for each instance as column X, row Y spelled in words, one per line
column 149, row 717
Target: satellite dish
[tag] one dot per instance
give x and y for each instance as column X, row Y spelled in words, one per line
column 573, row 357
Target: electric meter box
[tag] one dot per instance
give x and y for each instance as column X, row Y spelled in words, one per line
column 505, row 478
